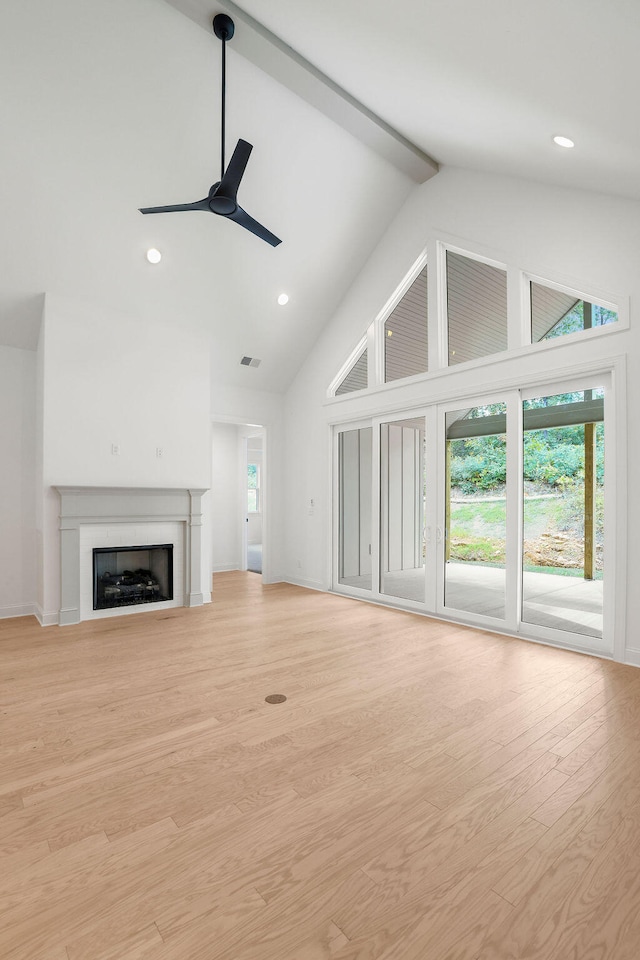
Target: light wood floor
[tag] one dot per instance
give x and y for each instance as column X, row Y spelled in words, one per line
column 426, row 792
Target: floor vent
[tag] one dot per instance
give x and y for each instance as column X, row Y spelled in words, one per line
column 250, row 362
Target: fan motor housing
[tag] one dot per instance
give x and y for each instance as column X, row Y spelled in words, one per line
column 222, row 205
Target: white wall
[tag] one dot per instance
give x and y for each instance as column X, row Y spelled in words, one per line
column 117, row 379
column 17, row 481
column 226, row 541
column 114, row 379
column 584, row 240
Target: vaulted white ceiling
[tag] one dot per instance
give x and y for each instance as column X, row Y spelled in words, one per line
column 486, row 84
column 108, row 106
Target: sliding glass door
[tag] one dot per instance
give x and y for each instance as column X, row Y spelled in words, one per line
column 489, row 510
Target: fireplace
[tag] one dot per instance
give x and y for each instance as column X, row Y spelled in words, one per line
column 126, row 576
column 103, row 519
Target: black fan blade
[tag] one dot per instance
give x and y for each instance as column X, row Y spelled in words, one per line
column 199, row 205
column 242, row 217
column 235, row 170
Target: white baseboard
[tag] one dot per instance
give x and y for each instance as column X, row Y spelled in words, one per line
column 223, row 567
column 46, row 619
column 309, row 584
column 18, row 610
column 632, row 657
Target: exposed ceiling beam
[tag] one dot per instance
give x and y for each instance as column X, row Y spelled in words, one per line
column 264, row 49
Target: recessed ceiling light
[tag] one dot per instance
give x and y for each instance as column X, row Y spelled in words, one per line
column 564, row 142
column 153, row 255
column 283, row 298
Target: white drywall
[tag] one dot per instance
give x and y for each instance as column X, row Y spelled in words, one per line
column 17, row 481
column 584, row 240
column 124, row 403
column 117, row 380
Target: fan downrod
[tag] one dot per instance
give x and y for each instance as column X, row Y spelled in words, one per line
column 222, row 199
column 223, row 27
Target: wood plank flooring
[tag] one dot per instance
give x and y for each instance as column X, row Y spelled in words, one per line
column 427, row 791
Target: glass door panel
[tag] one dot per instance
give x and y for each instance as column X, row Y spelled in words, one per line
column 354, row 508
column 402, row 514
column 475, row 527
column 563, row 483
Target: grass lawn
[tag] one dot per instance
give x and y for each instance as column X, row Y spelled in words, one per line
column 553, row 527
column 489, row 516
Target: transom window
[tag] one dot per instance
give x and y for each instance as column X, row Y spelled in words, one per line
column 405, row 333
column 473, row 321
column 476, row 308
column 356, row 377
column 555, row 313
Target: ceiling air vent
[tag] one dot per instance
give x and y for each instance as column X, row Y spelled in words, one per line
column 250, row 362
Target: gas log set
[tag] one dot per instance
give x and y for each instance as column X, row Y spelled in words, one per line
column 119, row 589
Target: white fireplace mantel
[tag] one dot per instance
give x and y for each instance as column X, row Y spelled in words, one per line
column 80, row 506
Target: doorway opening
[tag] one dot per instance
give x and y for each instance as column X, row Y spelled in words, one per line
column 239, row 497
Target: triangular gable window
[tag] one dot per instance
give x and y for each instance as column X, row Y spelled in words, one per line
column 405, row 333
column 555, row 313
column 476, row 308
column 356, row 378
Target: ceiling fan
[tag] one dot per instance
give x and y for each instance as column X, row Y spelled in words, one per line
column 222, row 197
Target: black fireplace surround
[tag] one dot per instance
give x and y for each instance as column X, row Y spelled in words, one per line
column 123, row 576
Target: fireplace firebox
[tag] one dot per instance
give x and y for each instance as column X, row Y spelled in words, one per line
column 123, row 576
